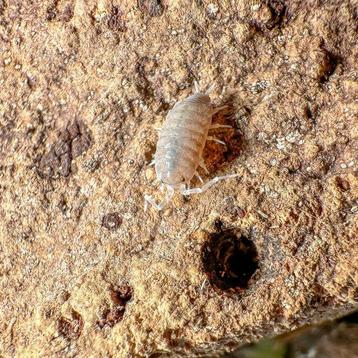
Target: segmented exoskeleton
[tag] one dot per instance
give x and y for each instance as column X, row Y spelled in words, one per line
column 180, row 146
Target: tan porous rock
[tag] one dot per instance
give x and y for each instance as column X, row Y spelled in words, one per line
column 84, row 271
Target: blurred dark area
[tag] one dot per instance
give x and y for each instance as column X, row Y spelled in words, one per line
column 333, row 339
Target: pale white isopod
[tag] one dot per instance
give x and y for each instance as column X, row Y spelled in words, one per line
column 180, row 145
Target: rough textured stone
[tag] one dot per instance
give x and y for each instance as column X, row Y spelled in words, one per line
column 83, row 86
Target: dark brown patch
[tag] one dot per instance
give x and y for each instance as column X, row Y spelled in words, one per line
column 6, row 138
column 49, row 313
column 328, row 65
column 70, row 328
column 92, row 164
column 216, row 155
column 297, row 243
column 151, row 7
column 342, row 184
column 149, row 154
column 62, row 205
column 218, row 225
column 234, row 210
column 71, row 143
column 2, row 7
column 31, row 82
column 278, row 10
column 119, row 297
column 67, row 14
column 143, row 67
column 51, row 12
column 115, row 21
column 111, row 221
column 229, row 261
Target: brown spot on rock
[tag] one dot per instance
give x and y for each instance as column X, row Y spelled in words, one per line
column 151, row 7
column 71, row 143
column 111, row 221
column 70, row 328
column 328, row 65
column 67, row 14
column 278, row 10
column 115, row 21
column 51, row 11
column 119, row 297
column 342, row 184
column 233, row 209
column 2, row 7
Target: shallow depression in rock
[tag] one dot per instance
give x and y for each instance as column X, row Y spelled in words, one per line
column 229, row 260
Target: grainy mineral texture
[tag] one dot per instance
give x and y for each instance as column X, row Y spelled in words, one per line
column 84, row 271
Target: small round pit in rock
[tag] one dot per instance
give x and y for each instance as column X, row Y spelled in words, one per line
column 111, row 221
column 229, row 261
column 151, row 7
column 114, row 314
column 70, row 329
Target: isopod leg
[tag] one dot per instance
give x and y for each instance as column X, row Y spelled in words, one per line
column 199, row 177
column 197, row 87
column 216, row 126
column 149, row 199
column 218, row 109
column 208, row 185
column 215, row 140
column 210, row 89
column 202, row 165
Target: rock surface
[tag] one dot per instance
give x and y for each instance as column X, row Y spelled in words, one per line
column 84, row 271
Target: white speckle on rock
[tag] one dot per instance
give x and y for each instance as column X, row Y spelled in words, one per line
column 262, row 136
column 213, row 9
column 280, row 144
column 259, row 86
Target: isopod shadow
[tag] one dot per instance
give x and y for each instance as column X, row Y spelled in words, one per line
column 217, row 156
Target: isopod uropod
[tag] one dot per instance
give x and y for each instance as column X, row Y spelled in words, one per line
column 180, row 146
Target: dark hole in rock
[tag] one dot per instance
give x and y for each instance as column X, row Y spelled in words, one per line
column 151, row 7
column 111, row 221
column 279, row 13
column 115, row 21
column 229, row 261
column 3, row 6
column 342, row 184
column 70, row 328
column 110, row 317
column 149, row 154
column 68, row 13
column 216, row 156
column 328, row 66
column 119, row 297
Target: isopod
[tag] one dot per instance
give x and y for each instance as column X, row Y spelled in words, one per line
column 180, row 146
